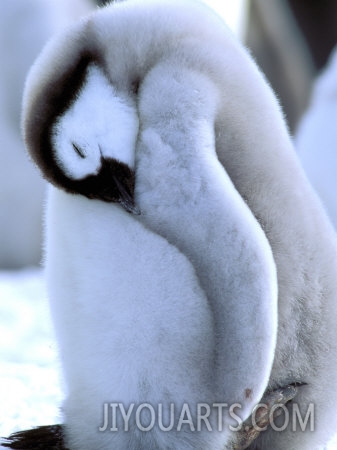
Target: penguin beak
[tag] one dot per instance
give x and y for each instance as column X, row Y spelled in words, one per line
column 125, row 199
column 114, row 183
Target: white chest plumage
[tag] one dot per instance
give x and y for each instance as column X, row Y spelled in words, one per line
column 134, row 326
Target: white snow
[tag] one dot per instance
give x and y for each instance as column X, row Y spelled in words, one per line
column 30, row 387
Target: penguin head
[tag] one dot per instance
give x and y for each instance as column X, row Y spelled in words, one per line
column 87, row 141
column 79, row 116
column 94, row 139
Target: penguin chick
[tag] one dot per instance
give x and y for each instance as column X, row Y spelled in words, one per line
column 223, row 200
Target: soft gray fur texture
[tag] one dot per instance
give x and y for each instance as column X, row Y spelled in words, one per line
column 179, row 303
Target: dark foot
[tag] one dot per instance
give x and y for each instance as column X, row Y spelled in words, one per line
column 50, row 437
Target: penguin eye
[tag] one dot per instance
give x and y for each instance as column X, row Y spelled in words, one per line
column 78, row 150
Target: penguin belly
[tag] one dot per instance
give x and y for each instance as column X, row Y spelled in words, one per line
column 133, row 326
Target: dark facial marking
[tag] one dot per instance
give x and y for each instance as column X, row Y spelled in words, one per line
column 60, row 97
column 115, row 182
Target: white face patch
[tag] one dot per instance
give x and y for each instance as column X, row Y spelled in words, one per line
column 98, row 123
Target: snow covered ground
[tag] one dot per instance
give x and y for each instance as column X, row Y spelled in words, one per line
column 30, row 387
